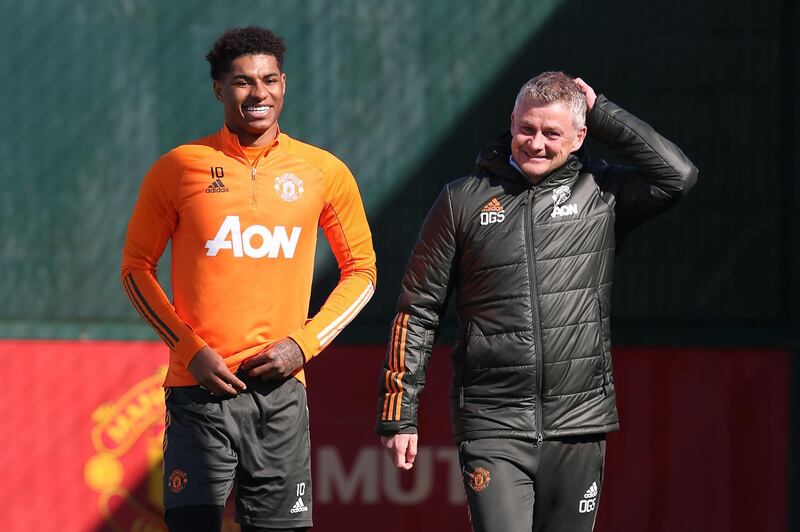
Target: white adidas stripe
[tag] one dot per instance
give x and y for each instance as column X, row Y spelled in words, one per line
column 331, row 331
column 367, row 293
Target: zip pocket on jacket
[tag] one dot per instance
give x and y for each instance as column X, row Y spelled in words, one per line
column 601, row 342
column 464, row 364
column 468, row 362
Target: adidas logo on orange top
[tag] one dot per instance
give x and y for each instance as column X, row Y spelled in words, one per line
column 217, row 173
column 492, row 213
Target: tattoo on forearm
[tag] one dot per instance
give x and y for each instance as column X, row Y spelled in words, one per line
column 289, row 354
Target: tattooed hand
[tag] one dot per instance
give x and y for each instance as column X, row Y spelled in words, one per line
column 275, row 361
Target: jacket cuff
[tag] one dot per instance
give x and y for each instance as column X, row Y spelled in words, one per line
column 604, row 123
column 390, row 429
column 594, row 118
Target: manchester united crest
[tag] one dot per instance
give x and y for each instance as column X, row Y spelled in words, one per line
column 561, row 195
column 479, row 479
column 177, row 481
column 289, row 187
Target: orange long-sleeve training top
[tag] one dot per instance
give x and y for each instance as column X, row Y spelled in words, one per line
column 243, row 225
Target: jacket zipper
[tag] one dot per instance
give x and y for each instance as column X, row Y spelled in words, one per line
column 531, row 257
column 602, row 346
column 465, row 341
column 253, row 199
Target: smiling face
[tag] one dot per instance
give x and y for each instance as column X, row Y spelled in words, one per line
column 542, row 137
column 251, row 93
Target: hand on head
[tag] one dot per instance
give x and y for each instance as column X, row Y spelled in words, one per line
column 587, row 91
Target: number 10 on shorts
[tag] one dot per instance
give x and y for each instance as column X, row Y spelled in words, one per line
column 301, row 489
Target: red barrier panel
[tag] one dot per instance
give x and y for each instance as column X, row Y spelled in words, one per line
column 703, row 446
column 82, row 425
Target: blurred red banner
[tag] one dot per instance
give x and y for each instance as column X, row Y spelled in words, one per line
column 703, row 446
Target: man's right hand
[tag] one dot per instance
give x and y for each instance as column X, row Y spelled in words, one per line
column 402, row 449
column 588, row 92
column 210, row 371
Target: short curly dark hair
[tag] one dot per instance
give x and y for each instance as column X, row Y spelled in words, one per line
column 237, row 42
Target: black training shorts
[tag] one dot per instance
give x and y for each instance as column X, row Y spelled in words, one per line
column 257, row 440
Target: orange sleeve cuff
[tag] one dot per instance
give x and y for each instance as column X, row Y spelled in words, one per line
column 188, row 347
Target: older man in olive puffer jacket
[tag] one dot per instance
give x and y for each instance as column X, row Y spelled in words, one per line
column 528, row 243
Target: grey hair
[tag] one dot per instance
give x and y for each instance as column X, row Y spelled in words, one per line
column 550, row 87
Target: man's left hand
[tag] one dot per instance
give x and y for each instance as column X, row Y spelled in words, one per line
column 276, row 361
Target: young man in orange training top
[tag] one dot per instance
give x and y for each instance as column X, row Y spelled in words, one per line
column 241, row 208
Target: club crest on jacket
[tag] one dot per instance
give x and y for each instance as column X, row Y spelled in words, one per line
column 560, row 197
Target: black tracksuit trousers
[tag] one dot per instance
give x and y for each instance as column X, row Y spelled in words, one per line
column 521, row 486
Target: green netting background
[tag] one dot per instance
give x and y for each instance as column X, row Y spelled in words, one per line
column 405, row 92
